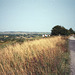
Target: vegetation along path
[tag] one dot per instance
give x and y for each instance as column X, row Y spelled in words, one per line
column 72, row 54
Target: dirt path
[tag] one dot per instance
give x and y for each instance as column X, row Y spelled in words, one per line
column 72, row 54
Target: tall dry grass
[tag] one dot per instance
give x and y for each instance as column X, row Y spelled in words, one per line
column 38, row 57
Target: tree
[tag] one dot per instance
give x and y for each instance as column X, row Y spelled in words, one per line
column 59, row 30
column 71, row 31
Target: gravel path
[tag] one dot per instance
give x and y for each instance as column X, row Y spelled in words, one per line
column 72, row 54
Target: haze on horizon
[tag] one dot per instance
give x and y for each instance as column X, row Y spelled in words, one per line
column 36, row 15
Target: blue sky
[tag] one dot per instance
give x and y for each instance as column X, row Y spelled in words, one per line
column 36, row 15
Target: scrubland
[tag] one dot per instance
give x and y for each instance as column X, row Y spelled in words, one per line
column 46, row 56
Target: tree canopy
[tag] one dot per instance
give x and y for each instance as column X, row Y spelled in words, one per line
column 60, row 30
column 71, row 31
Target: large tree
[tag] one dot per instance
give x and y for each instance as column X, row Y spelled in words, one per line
column 71, row 31
column 56, row 30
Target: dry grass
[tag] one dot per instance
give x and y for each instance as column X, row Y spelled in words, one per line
column 38, row 57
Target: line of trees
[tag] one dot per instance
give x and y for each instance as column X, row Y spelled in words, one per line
column 60, row 30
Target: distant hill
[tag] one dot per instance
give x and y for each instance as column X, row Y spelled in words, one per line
column 23, row 32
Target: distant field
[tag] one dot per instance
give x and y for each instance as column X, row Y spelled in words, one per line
column 46, row 56
column 11, row 38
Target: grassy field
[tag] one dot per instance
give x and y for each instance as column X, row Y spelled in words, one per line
column 47, row 56
column 20, row 41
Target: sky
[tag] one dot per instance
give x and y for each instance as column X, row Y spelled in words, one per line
column 36, row 15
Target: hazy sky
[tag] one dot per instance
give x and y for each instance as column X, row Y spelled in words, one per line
column 36, row 15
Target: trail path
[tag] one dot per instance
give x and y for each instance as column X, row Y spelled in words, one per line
column 72, row 54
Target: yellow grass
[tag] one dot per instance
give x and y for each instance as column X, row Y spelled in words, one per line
column 38, row 57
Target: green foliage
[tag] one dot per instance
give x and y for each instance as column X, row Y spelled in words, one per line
column 71, row 31
column 60, row 30
column 20, row 40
